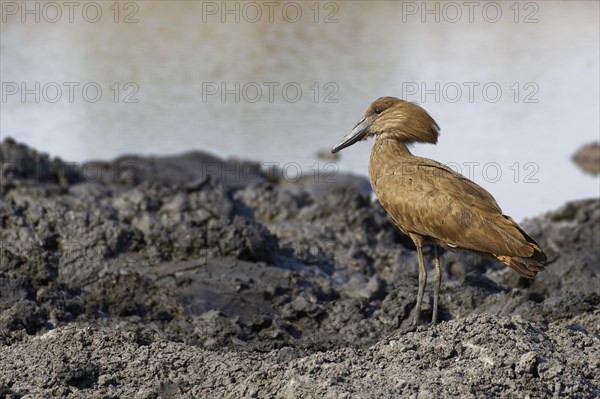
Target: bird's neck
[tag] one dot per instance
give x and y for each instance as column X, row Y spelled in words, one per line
column 385, row 150
column 391, row 147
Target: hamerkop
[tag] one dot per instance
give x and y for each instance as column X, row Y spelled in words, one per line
column 431, row 202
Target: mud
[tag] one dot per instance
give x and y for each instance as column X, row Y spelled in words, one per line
column 192, row 276
column 588, row 158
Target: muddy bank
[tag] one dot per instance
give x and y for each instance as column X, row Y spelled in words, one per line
column 174, row 276
column 478, row 356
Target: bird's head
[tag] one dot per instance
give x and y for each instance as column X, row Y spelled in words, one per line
column 393, row 118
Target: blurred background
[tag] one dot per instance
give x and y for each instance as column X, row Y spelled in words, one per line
column 513, row 85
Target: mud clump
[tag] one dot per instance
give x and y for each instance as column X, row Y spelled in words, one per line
column 588, row 158
column 173, row 276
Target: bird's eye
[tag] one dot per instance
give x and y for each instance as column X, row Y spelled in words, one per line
column 377, row 110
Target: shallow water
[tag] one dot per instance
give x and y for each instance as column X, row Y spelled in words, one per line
column 514, row 86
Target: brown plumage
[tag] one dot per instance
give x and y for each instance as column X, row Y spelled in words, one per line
column 431, row 202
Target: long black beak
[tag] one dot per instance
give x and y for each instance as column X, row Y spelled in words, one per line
column 358, row 133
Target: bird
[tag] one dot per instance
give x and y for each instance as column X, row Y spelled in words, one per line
column 432, row 203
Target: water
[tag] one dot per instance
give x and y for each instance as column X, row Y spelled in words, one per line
column 514, row 86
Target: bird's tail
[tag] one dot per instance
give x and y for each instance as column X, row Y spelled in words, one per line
column 525, row 266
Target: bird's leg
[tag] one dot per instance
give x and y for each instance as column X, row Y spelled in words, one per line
column 438, row 283
column 422, row 277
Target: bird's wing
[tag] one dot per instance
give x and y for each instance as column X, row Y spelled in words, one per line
column 458, row 185
column 427, row 198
